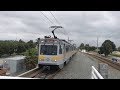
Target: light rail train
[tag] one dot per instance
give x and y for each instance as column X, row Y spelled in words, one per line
column 55, row 52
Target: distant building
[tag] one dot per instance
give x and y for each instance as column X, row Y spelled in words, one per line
column 79, row 50
column 83, row 50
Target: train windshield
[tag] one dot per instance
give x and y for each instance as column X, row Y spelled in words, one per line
column 48, row 50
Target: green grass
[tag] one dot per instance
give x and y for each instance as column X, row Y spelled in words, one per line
column 117, row 55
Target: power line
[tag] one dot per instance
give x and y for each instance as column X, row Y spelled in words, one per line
column 28, row 33
column 55, row 18
column 46, row 17
column 45, row 21
column 58, row 22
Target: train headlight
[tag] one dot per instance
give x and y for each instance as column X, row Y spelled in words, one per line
column 55, row 60
column 41, row 59
column 42, row 41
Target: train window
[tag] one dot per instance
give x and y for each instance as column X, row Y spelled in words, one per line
column 60, row 50
column 67, row 48
column 48, row 50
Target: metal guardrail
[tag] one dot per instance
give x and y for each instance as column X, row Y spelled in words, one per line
column 95, row 74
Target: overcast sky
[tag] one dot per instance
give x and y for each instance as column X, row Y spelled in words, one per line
column 80, row 26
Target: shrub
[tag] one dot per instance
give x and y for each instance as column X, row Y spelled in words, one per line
column 31, row 59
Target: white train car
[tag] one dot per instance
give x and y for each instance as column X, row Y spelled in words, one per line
column 55, row 52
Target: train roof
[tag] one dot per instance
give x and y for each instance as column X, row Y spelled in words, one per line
column 56, row 39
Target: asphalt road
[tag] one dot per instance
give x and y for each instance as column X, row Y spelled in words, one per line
column 80, row 68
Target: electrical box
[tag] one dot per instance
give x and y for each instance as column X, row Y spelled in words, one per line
column 14, row 64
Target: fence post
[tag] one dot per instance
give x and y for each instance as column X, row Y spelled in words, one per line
column 103, row 70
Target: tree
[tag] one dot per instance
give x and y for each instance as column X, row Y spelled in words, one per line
column 82, row 46
column 119, row 48
column 92, row 48
column 101, row 50
column 20, row 48
column 6, row 47
column 31, row 44
column 107, row 47
column 21, row 41
column 87, row 47
column 113, row 46
column 9, row 47
column 31, row 58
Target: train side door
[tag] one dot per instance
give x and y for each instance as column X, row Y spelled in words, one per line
column 64, row 51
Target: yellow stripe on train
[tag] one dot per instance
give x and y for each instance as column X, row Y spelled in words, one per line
column 56, row 58
column 43, row 57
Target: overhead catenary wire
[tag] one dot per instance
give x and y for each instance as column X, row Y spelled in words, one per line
column 33, row 33
column 43, row 20
column 59, row 24
column 65, row 31
column 49, row 20
column 47, row 17
column 55, row 18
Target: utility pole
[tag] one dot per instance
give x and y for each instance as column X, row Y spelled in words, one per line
column 97, row 43
column 68, row 39
column 15, row 49
column 16, row 36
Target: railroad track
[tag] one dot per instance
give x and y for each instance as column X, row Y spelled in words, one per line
column 106, row 60
column 40, row 74
column 31, row 73
column 47, row 74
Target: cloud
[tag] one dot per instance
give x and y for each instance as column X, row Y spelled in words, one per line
column 80, row 26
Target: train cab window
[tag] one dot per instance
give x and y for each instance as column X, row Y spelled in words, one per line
column 60, row 50
column 48, row 50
